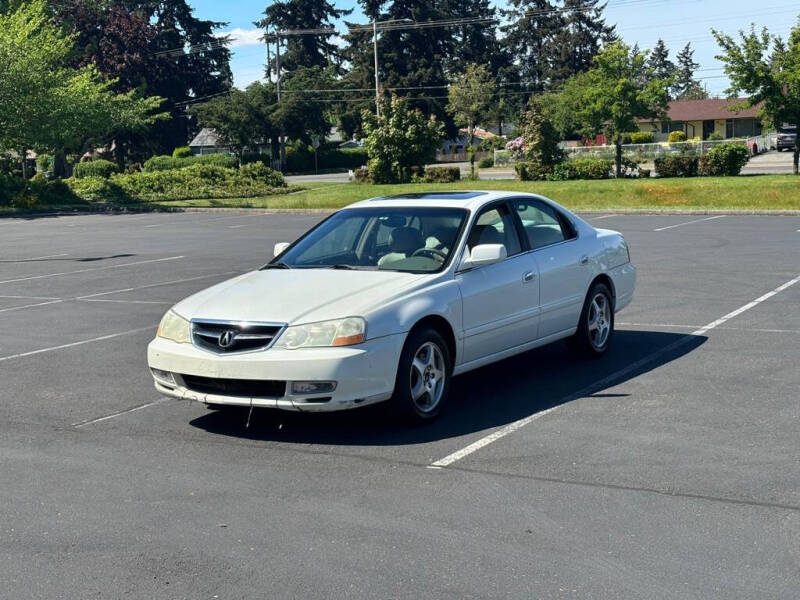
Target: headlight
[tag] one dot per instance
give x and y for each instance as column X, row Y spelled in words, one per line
column 341, row 332
column 174, row 327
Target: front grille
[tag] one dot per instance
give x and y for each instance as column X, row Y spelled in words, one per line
column 240, row 388
column 224, row 337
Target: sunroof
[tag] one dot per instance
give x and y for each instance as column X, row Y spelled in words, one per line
column 435, row 196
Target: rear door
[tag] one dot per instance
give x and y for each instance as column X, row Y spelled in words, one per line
column 500, row 301
column 563, row 270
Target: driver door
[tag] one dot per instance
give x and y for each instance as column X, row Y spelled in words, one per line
column 500, row 301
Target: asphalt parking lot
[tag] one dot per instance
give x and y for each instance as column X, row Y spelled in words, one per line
column 668, row 469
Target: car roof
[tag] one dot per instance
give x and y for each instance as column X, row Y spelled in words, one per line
column 470, row 199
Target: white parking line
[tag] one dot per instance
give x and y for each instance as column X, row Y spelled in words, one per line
column 131, row 264
column 601, row 217
column 673, row 326
column 125, row 301
column 73, row 344
column 689, row 223
column 598, row 385
column 16, row 260
column 121, row 412
column 30, row 305
column 152, row 285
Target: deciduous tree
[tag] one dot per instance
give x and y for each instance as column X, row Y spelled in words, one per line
column 469, row 98
column 767, row 69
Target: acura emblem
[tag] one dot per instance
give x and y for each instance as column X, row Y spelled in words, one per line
column 226, row 338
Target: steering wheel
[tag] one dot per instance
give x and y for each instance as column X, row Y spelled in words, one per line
column 433, row 252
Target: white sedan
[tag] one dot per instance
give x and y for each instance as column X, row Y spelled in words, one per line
column 389, row 298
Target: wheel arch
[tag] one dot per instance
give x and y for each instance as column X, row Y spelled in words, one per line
column 443, row 326
column 606, row 279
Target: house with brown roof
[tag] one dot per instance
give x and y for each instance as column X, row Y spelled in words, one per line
column 701, row 118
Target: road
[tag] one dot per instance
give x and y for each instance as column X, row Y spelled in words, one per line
column 769, row 163
column 668, row 469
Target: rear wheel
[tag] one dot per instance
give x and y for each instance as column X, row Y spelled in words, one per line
column 423, row 377
column 596, row 325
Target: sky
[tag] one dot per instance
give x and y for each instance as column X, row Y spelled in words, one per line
column 638, row 21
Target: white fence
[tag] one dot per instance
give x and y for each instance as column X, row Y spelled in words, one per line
column 756, row 145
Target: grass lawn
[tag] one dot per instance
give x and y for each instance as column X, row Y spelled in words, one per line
column 757, row 192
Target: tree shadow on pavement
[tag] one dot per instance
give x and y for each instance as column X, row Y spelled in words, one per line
column 483, row 399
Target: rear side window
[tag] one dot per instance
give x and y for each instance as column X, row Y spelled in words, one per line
column 543, row 225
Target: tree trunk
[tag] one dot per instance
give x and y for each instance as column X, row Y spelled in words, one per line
column 119, row 155
column 472, row 151
column 618, row 156
column 24, row 154
column 60, row 163
column 796, row 154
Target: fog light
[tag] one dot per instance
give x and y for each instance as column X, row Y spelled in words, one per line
column 163, row 376
column 313, row 387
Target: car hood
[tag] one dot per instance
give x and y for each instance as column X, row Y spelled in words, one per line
column 296, row 296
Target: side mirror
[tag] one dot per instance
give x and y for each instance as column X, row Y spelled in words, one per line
column 485, row 254
column 280, row 247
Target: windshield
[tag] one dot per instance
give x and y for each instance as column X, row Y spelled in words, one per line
column 414, row 239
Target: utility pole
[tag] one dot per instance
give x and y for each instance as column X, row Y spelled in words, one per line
column 281, row 146
column 377, row 77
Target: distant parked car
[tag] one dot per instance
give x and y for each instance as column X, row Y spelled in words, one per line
column 786, row 138
column 389, row 298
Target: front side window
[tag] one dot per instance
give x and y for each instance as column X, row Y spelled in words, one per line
column 495, row 226
column 542, row 224
column 414, row 239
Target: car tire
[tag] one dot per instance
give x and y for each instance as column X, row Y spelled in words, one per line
column 423, row 377
column 596, row 325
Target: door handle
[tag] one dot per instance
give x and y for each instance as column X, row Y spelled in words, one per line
column 584, row 259
column 528, row 277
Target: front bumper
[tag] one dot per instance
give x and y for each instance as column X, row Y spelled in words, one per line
column 785, row 144
column 365, row 373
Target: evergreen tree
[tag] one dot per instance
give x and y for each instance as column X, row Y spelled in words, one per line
column 659, row 62
column 412, row 58
column 583, row 34
column 685, row 84
column 311, row 50
column 157, row 47
column 530, row 38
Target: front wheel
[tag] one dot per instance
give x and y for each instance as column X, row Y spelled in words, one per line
column 596, row 325
column 423, row 377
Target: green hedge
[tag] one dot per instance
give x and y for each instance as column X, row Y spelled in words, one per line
column 676, row 137
column 676, row 165
column 168, row 163
column 642, row 137
column 583, row 168
column 302, row 160
column 724, row 159
column 18, row 193
column 95, row 168
column 442, row 174
column 194, row 182
column 528, row 171
column 486, row 162
column 182, row 152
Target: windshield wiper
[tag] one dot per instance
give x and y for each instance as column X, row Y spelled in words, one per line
column 276, row 265
column 342, row 267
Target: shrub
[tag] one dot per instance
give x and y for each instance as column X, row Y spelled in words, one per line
column 182, row 152
column 95, row 168
column 486, row 162
column 493, row 143
column 715, row 136
column 258, row 171
column 44, row 163
column 167, row 163
column 530, row 171
column 251, row 157
column 362, row 176
column 677, row 165
column 583, row 168
column 642, row 137
column 16, row 192
column 442, row 174
column 644, row 173
column 676, row 137
column 724, row 159
column 301, row 160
